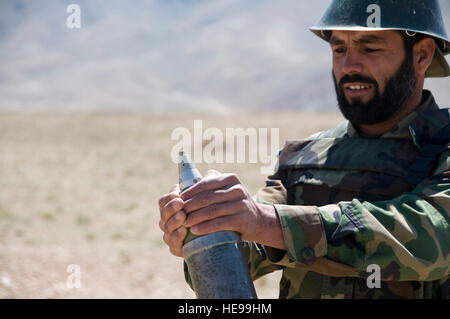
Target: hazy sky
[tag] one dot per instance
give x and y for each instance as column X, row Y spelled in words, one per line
column 168, row 55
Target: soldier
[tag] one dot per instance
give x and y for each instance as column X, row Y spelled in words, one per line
column 372, row 192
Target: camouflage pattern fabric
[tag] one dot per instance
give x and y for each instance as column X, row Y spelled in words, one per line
column 346, row 202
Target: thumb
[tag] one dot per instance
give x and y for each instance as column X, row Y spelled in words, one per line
column 211, row 172
column 175, row 189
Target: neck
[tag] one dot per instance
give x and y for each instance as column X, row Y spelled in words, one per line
column 380, row 128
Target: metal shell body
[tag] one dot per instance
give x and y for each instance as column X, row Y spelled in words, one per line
column 216, row 262
column 218, row 268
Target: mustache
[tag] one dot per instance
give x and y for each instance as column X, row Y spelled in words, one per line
column 356, row 78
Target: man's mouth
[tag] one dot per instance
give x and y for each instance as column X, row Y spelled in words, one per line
column 357, row 89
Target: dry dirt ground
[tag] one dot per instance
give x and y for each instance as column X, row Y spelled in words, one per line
column 82, row 189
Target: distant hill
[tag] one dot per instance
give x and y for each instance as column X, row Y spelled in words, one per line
column 168, row 56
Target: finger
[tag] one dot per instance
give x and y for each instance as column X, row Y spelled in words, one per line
column 175, row 188
column 175, row 222
column 178, row 237
column 217, row 224
column 169, row 210
column 211, row 172
column 208, row 198
column 166, row 239
column 176, row 250
column 211, row 182
column 174, row 193
column 213, row 211
column 175, row 241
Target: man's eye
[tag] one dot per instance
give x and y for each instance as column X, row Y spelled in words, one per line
column 369, row 50
column 339, row 50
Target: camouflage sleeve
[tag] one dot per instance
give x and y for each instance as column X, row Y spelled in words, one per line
column 259, row 261
column 408, row 237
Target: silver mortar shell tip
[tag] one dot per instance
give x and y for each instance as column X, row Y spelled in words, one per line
column 189, row 174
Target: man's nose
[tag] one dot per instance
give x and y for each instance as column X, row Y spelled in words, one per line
column 352, row 63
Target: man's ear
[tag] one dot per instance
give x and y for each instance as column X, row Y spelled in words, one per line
column 423, row 55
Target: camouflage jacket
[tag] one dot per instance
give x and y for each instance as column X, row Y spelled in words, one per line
column 347, row 202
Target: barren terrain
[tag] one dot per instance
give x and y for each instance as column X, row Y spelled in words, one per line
column 83, row 189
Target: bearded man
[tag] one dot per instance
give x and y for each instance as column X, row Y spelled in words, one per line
column 372, row 192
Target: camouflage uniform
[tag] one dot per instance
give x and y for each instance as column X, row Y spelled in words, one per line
column 346, row 202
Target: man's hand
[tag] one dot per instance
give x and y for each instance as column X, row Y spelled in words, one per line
column 172, row 219
column 218, row 202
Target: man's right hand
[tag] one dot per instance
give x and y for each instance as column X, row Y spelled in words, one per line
column 172, row 220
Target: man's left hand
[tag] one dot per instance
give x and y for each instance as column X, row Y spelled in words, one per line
column 220, row 202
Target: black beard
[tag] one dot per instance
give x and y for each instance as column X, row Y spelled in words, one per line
column 381, row 107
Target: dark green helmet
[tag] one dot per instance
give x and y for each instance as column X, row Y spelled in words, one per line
column 412, row 16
